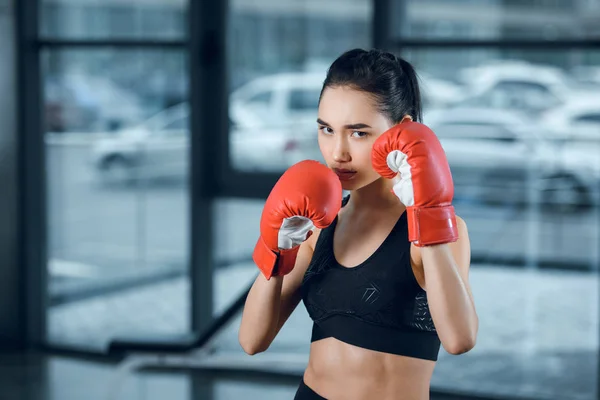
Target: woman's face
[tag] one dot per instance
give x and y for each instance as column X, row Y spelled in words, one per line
column 348, row 124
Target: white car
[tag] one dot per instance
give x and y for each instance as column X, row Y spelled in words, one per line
column 155, row 148
column 439, row 93
column 278, row 100
column 288, row 99
column 78, row 101
column 158, row 149
column 519, row 86
column 577, row 120
column 498, row 156
column 271, row 118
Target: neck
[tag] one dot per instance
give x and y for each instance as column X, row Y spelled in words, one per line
column 376, row 196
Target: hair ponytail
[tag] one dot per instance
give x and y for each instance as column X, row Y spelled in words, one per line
column 412, row 83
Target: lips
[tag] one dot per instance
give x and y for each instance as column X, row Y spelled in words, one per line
column 344, row 174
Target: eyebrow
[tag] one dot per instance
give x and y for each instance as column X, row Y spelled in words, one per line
column 350, row 126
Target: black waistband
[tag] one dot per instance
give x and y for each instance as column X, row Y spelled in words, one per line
column 305, row 392
column 410, row 343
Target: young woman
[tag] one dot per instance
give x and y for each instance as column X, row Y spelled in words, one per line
column 383, row 273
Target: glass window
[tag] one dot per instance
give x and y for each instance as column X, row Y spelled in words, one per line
column 493, row 20
column 81, row 19
column 117, row 196
column 286, row 50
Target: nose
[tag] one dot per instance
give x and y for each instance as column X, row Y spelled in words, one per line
column 341, row 149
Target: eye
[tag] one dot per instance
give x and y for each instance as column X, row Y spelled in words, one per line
column 360, row 134
column 326, row 130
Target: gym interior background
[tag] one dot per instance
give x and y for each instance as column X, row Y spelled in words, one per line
column 139, row 139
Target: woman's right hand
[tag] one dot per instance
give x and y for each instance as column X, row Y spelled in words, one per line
column 307, row 195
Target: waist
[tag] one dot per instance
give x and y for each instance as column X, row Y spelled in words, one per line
column 407, row 342
column 342, row 370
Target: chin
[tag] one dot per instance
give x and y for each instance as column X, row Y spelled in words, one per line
column 354, row 184
column 362, row 182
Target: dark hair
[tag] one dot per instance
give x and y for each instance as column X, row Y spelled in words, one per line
column 391, row 81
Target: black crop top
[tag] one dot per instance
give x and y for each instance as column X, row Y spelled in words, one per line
column 377, row 305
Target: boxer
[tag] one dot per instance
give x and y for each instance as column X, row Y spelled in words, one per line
column 383, row 272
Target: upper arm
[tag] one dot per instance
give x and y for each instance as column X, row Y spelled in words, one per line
column 290, row 291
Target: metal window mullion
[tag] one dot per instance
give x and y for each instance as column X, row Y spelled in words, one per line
column 380, row 24
column 209, row 102
column 33, row 256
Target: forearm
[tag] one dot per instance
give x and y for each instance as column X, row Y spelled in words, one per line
column 450, row 303
column 261, row 314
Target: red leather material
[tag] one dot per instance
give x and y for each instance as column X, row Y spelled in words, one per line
column 308, row 189
column 431, row 218
column 273, row 263
column 440, row 223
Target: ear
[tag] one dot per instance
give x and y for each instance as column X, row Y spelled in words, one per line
column 406, row 118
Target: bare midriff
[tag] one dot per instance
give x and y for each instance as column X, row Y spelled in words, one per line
column 337, row 370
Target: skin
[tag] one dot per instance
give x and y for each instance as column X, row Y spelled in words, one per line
column 337, row 370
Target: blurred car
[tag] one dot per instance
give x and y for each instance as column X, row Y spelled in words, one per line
column 519, row 86
column 439, row 93
column 497, row 156
column 271, row 120
column 79, row 102
column 577, row 120
column 587, row 75
column 158, row 149
column 290, row 99
column 277, row 100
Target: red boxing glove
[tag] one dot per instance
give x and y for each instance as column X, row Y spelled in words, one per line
column 425, row 184
column 308, row 194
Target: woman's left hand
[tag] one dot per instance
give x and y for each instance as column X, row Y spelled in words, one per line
column 424, row 186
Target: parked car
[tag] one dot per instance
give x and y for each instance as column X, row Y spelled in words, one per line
column 439, row 93
column 271, row 117
column 518, row 86
column 577, row 120
column 77, row 102
column 498, row 156
column 283, row 99
column 155, row 148
column 288, row 99
column 158, row 149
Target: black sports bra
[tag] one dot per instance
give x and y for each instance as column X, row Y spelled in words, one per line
column 377, row 305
